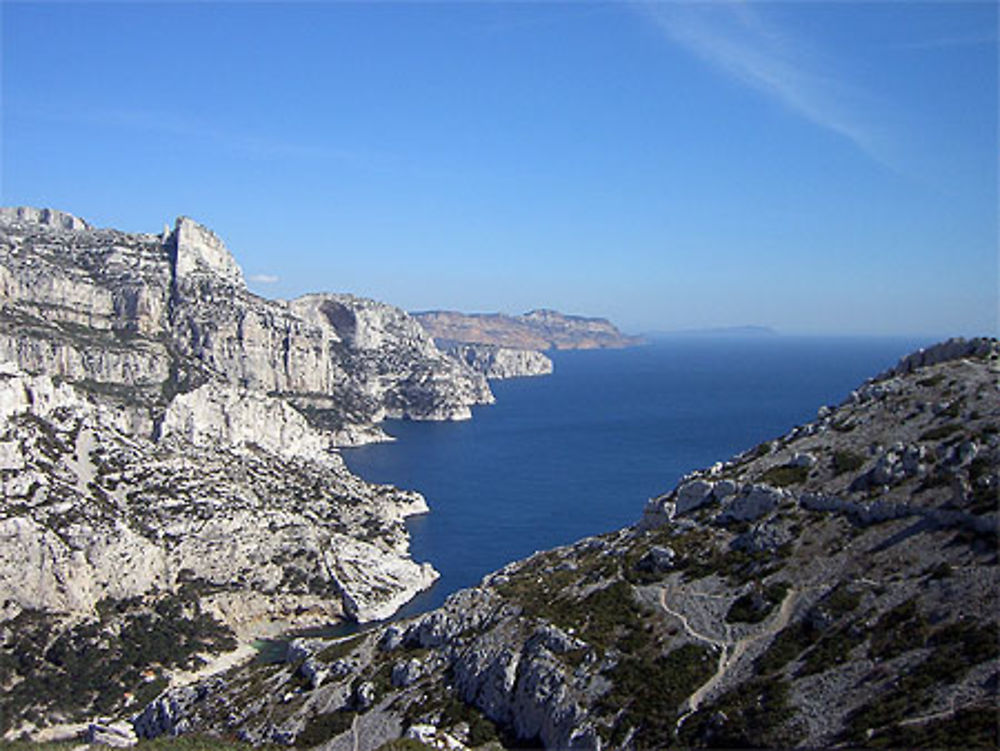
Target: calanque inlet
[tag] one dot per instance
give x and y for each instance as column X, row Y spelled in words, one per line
column 172, row 491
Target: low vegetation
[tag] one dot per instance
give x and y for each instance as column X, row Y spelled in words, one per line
column 78, row 671
column 784, row 475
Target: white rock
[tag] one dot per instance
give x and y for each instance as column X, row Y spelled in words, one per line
column 200, row 251
column 10, row 455
column 218, row 413
column 116, row 735
column 753, row 503
column 692, row 495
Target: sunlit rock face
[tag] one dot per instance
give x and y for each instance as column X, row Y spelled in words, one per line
column 168, row 450
column 501, row 362
column 141, row 317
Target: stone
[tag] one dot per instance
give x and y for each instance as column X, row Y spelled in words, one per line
column 407, row 672
column 199, row 251
column 535, row 330
column 10, row 456
column 724, row 488
column 501, row 362
column 692, row 495
column 48, row 217
column 115, row 735
column 803, row 459
column 754, row 501
column 364, row 696
column 180, row 303
column 658, row 559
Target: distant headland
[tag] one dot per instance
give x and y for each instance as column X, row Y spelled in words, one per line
column 537, row 330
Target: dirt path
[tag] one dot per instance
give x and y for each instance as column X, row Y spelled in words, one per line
column 730, row 651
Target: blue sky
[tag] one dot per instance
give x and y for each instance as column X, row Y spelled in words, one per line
column 815, row 167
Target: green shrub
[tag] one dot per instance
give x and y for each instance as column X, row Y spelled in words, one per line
column 934, row 380
column 785, row 475
column 340, row 649
column 899, row 630
column 940, row 432
column 846, row 461
column 755, row 714
column 323, row 727
column 973, row 727
column 646, row 693
column 756, row 605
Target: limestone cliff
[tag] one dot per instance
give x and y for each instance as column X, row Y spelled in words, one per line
column 238, row 517
column 142, row 317
column 536, row 330
column 501, row 362
column 837, row 586
column 167, row 464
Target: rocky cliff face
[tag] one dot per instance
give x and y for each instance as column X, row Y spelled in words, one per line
column 143, row 317
column 500, row 362
column 835, row 586
column 239, row 515
column 166, row 459
column 537, row 330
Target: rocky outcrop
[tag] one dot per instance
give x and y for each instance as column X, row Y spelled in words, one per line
column 837, row 586
column 501, row 362
column 953, row 349
column 139, row 318
column 238, row 513
column 49, row 217
column 216, row 414
column 92, row 513
column 537, row 330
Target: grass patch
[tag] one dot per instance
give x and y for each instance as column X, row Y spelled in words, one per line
column 340, row 649
column 934, row 380
column 846, row 461
column 323, row 727
column 940, row 432
column 785, row 475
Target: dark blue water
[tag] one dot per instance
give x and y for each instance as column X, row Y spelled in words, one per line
column 579, row 452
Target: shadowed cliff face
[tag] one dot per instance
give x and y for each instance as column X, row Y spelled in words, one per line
column 143, row 317
column 837, row 585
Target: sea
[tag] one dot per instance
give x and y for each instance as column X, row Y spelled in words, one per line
column 579, row 452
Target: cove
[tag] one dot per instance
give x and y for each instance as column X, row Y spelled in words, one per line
column 577, row 453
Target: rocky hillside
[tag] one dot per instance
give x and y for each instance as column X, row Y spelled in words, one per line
column 138, row 318
column 835, row 586
column 170, row 485
column 537, row 330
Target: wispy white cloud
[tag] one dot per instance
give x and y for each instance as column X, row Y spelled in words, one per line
column 734, row 38
column 263, row 279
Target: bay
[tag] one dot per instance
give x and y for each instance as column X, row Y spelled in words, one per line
column 579, row 452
